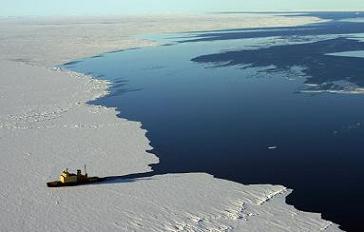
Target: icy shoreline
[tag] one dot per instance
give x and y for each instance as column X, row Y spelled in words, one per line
column 46, row 125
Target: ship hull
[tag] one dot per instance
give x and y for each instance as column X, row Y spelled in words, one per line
column 55, row 184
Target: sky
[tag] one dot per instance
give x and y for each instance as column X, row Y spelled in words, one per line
column 127, row 7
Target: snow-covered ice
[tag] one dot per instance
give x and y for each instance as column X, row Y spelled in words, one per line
column 46, row 125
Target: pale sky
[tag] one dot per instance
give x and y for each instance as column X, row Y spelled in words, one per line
column 123, row 7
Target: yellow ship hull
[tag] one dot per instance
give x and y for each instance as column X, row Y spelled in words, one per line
column 90, row 180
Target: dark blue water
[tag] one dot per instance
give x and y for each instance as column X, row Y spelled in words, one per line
column 253, row 106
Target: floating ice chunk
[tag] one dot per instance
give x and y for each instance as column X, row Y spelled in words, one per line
column 272, row 147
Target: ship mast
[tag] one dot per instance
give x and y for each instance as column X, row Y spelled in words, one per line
column 84, row 167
